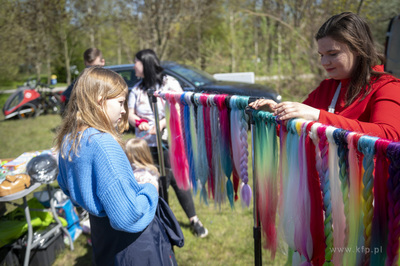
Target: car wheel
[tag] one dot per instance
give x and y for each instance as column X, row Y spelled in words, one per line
column 26, row 111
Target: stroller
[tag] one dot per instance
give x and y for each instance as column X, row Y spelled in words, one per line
column 31, row 100
column 23, row 103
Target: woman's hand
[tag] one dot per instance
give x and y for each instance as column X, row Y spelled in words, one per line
column 288, row 110
column 162, row 126
column 144, row 126
column 264, row 105
column 152, row 131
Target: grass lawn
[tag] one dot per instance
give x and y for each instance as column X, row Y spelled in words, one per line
column 230, row 240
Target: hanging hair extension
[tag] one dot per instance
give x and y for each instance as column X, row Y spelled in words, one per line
column 219, row 177
column 322, row 150
column 302, row 234
column 225, row 146
column 316, row 212
column 355, row 176
column 283, row 164
column 239, row 120
column 380, row 220
column 393, row 184
column 339, row 136
column 338, row 217
column 291, row 190
column 283, row 174
column 186, row 130
column 236, row 181
column 266, row 163
column 208, row 141
column 202, row 168
column 179, row 164
column 181, row 103
column 366, row 145
column 235, row 174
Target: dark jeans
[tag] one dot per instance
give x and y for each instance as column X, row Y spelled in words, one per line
column 184, row 196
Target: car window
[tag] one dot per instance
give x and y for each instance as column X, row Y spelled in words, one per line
column 392, row 52
column 184, row 85
column 128, row 76
column 195, row 76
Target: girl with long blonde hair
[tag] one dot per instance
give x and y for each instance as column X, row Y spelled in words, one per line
column 96, row 174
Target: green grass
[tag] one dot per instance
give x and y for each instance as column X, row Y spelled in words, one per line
column 230, row 239
column 19, row 136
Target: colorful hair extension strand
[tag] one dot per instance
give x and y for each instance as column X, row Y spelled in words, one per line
column 338, row 216
column 339, row 136
column 179, row 165
column 355, row 176
column 187, row 121
column 239, row 120
column 393, row 185
column 366, row 145
column 323, row 171
column 225, row 146
column 291, row 189
column 266, row 169
column 202, row 169
column 219, row 177
column 302, row 237
column 380, row 217
column 314, row 188
column 208, row 141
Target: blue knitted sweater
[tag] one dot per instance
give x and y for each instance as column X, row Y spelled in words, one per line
column 100, row 180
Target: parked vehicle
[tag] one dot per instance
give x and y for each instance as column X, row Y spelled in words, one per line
column 392, row 47
column 31, row 100
column 192, row 79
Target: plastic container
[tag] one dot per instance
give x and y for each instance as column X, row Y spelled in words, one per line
column 46, row 254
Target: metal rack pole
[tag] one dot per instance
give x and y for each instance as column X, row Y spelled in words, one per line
column 256, row 226
column 163, row 177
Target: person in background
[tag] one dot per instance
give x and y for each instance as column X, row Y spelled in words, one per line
column 359, row 97
column 141, row 116
column 96, row 174
column 91, row 57
column 139, row 156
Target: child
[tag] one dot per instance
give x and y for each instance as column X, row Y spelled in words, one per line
column 139, row 155
column 95, row 173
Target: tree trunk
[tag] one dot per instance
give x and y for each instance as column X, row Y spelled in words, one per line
column 48, row 63
column 66, row 57
column 38, row 69
column 119, row 48
column 232, row 31
column 255, row 36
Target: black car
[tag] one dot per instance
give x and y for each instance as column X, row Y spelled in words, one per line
column 192, row 79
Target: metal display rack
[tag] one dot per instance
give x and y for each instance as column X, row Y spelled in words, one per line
column 31, row 244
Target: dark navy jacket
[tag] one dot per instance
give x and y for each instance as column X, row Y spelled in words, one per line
column 153, row 246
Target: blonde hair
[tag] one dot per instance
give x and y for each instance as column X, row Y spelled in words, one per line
column 138, row 153
column 86, row 110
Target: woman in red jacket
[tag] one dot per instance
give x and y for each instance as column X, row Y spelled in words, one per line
column 359, row 97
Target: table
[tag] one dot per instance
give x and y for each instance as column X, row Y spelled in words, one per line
column 30, row 244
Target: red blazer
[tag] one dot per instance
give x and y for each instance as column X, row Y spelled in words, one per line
column 376, row 115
